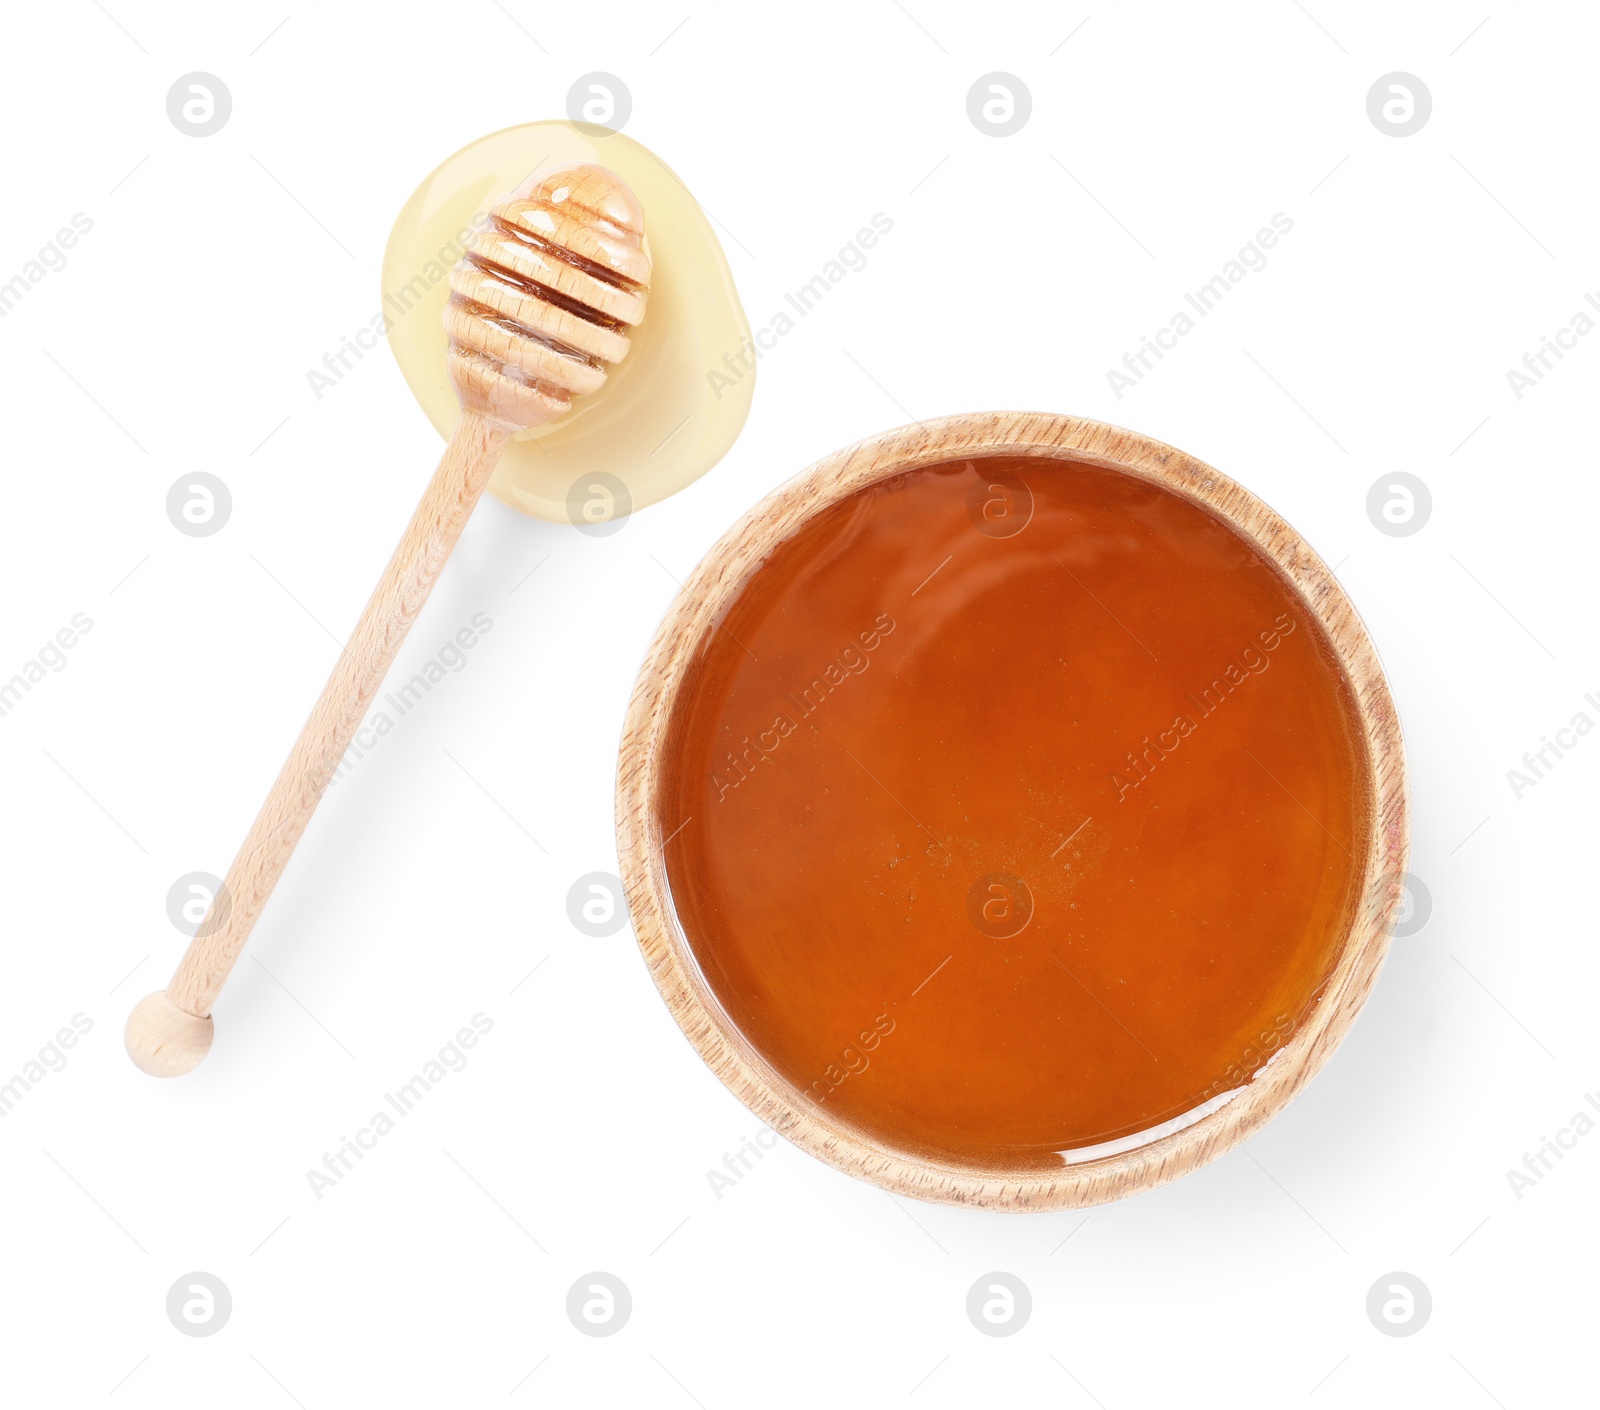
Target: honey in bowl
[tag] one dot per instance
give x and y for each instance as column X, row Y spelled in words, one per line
column 1015, row 811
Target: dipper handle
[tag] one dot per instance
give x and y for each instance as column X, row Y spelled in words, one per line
column 540, row 305
column 169, row 1032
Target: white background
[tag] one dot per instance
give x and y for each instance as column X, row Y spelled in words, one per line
column 1019, row 270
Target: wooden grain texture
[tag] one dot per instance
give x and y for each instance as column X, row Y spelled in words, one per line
column 641, row 847
column 413, row 569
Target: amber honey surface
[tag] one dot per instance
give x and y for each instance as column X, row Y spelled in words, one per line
column 1015, row 809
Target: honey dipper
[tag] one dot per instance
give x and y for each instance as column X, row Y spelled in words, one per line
column 542, row 300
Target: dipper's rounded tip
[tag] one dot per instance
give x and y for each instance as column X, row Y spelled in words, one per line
column 163, row 1039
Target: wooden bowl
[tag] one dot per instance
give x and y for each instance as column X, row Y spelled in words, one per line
column 1358, row 953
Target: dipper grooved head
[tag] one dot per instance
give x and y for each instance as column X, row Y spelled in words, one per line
column 545, row 295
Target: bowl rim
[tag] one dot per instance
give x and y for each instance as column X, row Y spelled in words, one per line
column 641, row 849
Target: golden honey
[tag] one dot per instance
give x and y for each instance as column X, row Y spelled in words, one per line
column 1015, row 811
